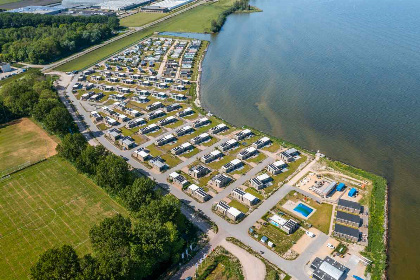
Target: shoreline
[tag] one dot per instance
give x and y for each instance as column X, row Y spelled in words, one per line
column 384, row 276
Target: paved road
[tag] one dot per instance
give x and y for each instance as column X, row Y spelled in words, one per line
column 295, row 268
column 128, row 33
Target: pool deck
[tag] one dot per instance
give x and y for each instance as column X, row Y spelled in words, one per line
column 290, row 206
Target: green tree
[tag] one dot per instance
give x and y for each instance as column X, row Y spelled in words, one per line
column 89, row 268
column 89, row 159
column 141, row 192
column 111, row 244
column 72, row 146
column 19, row 97
column 59, row 121
column 57, row 263
column 44, row 107
column 112, row 174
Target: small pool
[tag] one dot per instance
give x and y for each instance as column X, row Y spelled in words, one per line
column 274, row 223
column 303, row 209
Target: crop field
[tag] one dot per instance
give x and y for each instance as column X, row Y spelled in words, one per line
column 23, row 141
column 48, row 204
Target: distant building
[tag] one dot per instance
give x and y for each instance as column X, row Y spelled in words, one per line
column 346, row 232
column 349, row 206
column 218, row 128
column 247, row 153
column 198, row 193
column 183, row 148
column 348, row 219
column 158, row 164
column 244, row 197
column 220, row 181
column 178, row 180
column 289, row 155
column 287, row 225
column 198, row 171
column 243, row 134
column 230, row 212
column 233, row 165
column 5, row 67
column 216, row 154
column 41, row 10
column 276, row 167
column 142, row 155
column 262, row 142
column 228, row 145
column 328, row 269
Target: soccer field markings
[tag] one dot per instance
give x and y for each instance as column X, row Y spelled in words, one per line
column 35, row 195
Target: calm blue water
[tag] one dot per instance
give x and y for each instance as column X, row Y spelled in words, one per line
column 303, row 209
column 341, row 76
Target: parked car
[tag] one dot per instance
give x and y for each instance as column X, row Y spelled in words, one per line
column 310, row 234
column 329, row 245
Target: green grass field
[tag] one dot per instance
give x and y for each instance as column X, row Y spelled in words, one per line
column 194, row 20
column 23, row 141
column 47, row 205
column 140, row 19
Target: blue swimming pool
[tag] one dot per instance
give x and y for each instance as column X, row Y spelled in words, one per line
column 303, row 209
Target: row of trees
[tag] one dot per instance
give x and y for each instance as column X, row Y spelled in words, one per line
column 15, row 20
column 33, row 96
column 43, row 38
column 239, row 5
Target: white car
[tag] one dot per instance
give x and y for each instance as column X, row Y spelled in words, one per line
column 329, row 245
column 310, row 234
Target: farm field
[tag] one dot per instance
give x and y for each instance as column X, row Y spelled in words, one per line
column 46, row 205
column 23, row 141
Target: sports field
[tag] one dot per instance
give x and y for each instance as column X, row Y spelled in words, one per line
column 23, row 141
column 48, row 204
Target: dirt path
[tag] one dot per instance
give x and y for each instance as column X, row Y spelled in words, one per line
column 252, row 267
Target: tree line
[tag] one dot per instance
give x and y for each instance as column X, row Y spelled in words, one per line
column 240, row 5
column 137, row 247
column 15, row 20
column 33, row 95
column 41, row 39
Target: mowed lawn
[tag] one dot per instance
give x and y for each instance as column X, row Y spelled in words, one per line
column 46, row 205
column 139, row 19
column 22, row 141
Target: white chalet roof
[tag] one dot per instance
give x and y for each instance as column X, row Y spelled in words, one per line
column 234, row 212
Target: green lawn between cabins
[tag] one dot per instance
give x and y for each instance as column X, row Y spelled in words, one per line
column 321, row 219
column 282, row 241
column 241, row 207
column 46, row 205
column 195, row 20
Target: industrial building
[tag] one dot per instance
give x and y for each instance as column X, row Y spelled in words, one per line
column 165, row 6
column 41, row 10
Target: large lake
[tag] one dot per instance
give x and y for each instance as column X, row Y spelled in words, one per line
column 340, row 76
